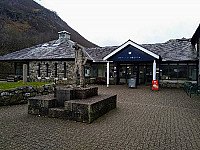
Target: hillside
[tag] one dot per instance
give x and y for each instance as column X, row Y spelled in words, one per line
column 24, row 23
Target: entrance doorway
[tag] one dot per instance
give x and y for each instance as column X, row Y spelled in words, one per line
column 143, row 72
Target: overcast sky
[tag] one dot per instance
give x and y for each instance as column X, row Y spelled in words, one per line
column 113, row 22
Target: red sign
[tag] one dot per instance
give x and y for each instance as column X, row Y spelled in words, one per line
column 155, row 85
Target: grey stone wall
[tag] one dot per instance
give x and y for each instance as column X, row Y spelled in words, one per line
column 20, row 95
column 33, row 71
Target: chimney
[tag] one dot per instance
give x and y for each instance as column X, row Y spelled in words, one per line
column 64, row 36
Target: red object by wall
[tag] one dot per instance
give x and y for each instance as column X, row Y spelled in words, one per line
column 155, row 85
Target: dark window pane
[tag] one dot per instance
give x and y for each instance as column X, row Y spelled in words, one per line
column 39, row 70
column 173, row 72
column 56, row 69
column 182, row 72
column 65, row 70
column 164, row 71
column 192, row 73
column 87, row 71
column 47, row 70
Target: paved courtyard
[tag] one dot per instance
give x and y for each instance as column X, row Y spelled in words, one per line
column 144, row 119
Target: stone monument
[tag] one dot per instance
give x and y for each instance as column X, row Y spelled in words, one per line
column 78, row 103
column 80, row 61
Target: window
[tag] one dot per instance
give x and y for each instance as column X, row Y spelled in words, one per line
column 173, row 71
column 56, row 70
column 192, row 74
column 65, row 70
column 19, row 68
column 94, row 71
column 182, row 71
column 164, row 71
column 47, row 70
column 39, row 70
column 87, row 72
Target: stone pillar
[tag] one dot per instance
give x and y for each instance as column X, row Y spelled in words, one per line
column 25, row 74
column 108, row 73
column 154, row 70
column 80, row 61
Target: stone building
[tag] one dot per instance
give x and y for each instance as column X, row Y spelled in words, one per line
column 172, row 62
column 51, row 61
column 196, row 43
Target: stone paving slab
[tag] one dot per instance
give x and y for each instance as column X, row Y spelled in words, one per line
column 144, row 119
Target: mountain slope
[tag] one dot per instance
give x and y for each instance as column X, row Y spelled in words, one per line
column 24, row 23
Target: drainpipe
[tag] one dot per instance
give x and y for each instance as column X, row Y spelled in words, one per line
column 108, row 73
column 154, row 70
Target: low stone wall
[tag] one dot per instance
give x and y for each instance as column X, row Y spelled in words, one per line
column 20, row 95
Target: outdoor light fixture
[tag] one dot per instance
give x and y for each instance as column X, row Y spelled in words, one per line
column 129, row 53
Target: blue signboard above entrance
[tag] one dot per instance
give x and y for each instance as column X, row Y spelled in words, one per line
column 130, row 53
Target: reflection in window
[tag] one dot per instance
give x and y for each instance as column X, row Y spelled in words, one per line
column 182, row 71
column 173, row 71
column 94, row 71
column 164, row 71
column 87, row 72
column 192, row 73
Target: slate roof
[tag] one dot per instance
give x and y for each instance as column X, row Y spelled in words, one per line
column 50, row 50
column 173, row 50
column 97, row 53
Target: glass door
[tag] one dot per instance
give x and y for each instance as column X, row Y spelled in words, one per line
column 142, row 73
column 128, row 71
column 122, row 74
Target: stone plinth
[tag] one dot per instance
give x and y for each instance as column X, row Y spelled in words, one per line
column 58, row 113
column 91, row 108
column 84, row 105
column 86, row 92
column 40, row 105
column 64, row 94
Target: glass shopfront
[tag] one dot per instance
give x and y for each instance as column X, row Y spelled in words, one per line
column 178, row 71
column 143, row 73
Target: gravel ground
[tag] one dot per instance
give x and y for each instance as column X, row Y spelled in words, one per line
column 144, row 119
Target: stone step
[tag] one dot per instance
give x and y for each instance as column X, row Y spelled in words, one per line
column 40, row 105
column 58, row 112
column 63, row 94
column 89, row 109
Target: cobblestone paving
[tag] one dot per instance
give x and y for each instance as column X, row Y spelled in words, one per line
column 144, row 119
